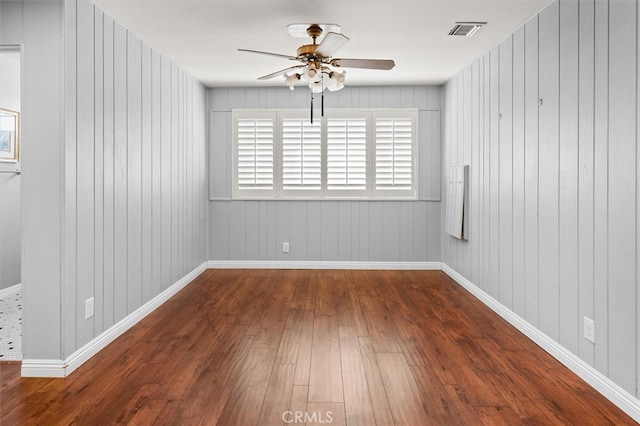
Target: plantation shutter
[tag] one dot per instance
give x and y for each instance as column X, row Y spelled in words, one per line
column 254, row 165
column 301, row 154
column 347, row 153
column 394, row 154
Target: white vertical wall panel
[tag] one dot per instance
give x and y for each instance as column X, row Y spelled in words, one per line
column 518, row 171
column 220, row 154
column 85, row 166
column 505, row 172
column 324, row 230
column 108, row 230
column 175, row 172
column 622, row 191
column 298, row 230
column 146, row 216
column 601, row 184
column 252, row 245
column 134, row 173
column 344, row 230
column 98, row 171
column 494, row 173
column 328, row 230
column 37, row 26
column 485, row 250
column 531, row 169
column 585, row 171
column 473, row 230
column 549, row 147
column 69, row 271
column 570, row 324
column 570, row 182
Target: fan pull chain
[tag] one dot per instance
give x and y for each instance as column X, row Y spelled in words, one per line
column 312, row 107
column 322, row 100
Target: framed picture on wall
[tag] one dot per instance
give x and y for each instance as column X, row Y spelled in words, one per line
column 9, row 136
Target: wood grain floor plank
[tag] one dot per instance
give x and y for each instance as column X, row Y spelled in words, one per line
column 325, row 376
column 357, row 401
column 250, row 385
column 305, row 346
column 379, row 323
column 402, row 390
column 278, row 396
column 298, row 404
column 323, row 413
column 377, row 391
column 440, row 400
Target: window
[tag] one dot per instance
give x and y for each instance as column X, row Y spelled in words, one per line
column 353, row 154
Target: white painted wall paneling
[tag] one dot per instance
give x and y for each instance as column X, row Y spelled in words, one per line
column 557, row 177
column 127, row 202
column 327, row 230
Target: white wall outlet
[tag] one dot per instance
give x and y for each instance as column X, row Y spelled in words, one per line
column 285, row 247
column 88, row 308
column 590, row 329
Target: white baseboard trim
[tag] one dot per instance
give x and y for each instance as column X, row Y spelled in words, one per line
column 10, row 290
column 62, row 368
column 613, row 392
column 297, row 264
column 50, row 368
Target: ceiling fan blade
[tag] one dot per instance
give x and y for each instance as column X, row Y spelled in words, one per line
column 374, row 64
column 331, row 43
column 269, row 53
column 277, row 73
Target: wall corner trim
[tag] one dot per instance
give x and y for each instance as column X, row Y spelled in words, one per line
column 308, row 264
column 610, row 390
column 10, row 290
column 62, row 368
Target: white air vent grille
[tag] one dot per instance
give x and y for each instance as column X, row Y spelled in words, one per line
column 466, row 29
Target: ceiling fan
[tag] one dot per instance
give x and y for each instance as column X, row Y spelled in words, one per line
column 319, row 69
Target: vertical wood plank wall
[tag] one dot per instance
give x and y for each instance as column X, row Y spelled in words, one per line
column 325, row 230
column 548, row 122
column 135, row 173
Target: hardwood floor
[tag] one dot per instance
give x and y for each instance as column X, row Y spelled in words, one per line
column 253, row 347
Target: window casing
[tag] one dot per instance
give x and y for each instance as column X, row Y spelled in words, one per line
column 347, row 154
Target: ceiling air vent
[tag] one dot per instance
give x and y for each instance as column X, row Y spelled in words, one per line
column 466, row 29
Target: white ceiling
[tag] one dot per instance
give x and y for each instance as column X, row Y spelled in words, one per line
column 202, row 36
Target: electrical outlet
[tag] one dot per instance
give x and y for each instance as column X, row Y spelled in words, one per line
column 285, row 247
column 88, row 308
column 589, row 329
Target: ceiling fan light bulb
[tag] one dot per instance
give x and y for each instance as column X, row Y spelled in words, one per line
column 330, row 82
column 290, row 80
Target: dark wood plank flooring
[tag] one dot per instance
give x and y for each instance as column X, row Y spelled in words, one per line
column 247, row 347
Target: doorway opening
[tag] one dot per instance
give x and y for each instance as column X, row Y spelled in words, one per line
column 10, row 208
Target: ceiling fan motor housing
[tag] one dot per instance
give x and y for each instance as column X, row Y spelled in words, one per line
column 307, row 50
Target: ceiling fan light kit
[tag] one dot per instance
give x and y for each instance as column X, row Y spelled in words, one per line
column 317, row 69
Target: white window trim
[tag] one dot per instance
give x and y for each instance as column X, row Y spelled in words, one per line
column 371, row 193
